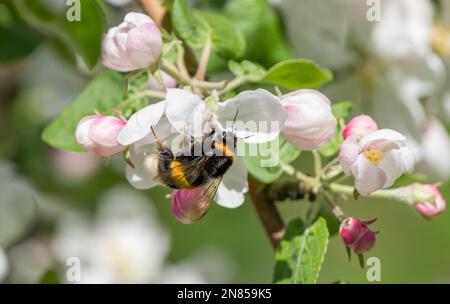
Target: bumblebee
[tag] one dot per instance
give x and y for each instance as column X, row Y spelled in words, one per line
column 203, row 167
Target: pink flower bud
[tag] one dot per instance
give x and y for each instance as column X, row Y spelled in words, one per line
column 310, row 121
column 98, row 134
column 168, row 82
column 427, row 199
column 359, row 126
column 189, row 205
column 357, row 235
column 135, row 44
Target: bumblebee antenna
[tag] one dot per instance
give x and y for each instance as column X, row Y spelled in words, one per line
column 235, row 115
column 234, row 119
column 157, row 139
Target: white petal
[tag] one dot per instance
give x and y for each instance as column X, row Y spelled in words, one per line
column 186, row 112
column 408, row 158
column 142, row 176
column 138, row 126
column 260, row 116
column 368, row 177
column 233, row 186
column 392, row 166
column 397, row 162
column 382, row 134
column 383, row 139
column 82, row 133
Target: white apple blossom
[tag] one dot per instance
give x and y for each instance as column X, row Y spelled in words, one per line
column 376, row 160
column 392, row 59
column 405, row 28
column 260, row 118
column 435, row 150
column 125, row 243
column 134, row 44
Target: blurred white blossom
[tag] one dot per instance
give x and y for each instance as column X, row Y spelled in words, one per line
column 73, row 167
column 436, row 150
column 17, row 204
column 124, row 244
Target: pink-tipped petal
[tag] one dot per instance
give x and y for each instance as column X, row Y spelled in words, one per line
column 189, row 205
column 134, row 44
column 359, row 126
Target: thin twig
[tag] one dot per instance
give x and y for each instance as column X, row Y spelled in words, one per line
column 155, row 9
column 267, row 212
column 204, row 59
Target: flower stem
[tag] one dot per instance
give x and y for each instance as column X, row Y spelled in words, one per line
column 337, row 211
column 290, row 170
column 348, row 190
column 267, row 212
column 173, row 71
column 142, row 94
column 181, row 65
column 208, row 85
column 238, row 81
column 317, row 163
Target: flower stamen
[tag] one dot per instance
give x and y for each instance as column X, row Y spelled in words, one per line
column 441, row 40
column 373, row 155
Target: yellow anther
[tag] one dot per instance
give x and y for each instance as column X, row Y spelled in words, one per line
column 374, row 156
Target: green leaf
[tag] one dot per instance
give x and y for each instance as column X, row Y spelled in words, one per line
column 83, row 37
column 191, row 29
column 103, row 94
column 227, row 40
column 288, row 153
column 340, row 110
column 251, row 71
column 196, row 27
column 137, row 82
column 266, row 166
column 297, row 74
column 19, row 39
column 301, row 252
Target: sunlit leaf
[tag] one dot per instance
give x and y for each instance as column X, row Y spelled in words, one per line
column 301, row 252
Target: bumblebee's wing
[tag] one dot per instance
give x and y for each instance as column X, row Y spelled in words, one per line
column 181, row 173
column 210, row 189
column 208, row 193
column 200, row 204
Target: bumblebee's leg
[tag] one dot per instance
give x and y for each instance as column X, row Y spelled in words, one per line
column 157, row 139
